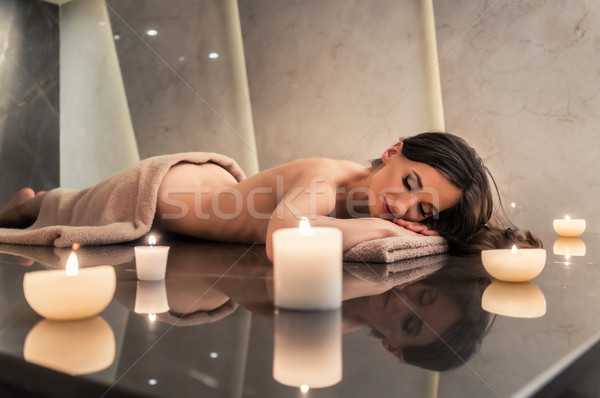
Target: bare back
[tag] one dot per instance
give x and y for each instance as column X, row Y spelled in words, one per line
column 205, row 201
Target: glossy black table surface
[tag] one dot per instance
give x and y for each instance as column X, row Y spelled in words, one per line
column 218, row 337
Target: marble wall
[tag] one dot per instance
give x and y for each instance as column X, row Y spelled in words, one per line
column 520, row 82
column 347, row 89
column 29, row 99
column 180, row 97
column 96, row 134
column 341, row 79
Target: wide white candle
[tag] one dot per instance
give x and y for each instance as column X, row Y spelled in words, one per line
column 307, row 267
column 151, row 261
column 151, row 297
column 569, row 228
column 308, row 348
column 72, row 293
column 517, row 300
column 514, row 265
column 569, row 247
column 74, row 347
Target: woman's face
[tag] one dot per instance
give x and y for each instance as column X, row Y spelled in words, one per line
column 412, row 316
column 412, row 191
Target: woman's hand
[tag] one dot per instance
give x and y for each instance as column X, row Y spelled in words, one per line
column 415, row 227
column 389, row 229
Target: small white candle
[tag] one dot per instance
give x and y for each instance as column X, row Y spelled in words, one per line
column 307, row 267
column 569, row 228
column 514, row 265
column 151, row 298
column 72, row 293
column 517, row 300
column 308, row 348
column 73, row 347
column 569, row 247
column 151, row 261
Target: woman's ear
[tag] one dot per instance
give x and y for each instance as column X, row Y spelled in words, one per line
column 386, row 344
column 391, row 151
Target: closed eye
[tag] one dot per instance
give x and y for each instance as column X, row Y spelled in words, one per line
column 406, row 184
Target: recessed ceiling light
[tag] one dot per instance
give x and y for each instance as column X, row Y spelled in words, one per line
column 152, row 382
column 117, row 37
column 213, row 55
column 152, row 32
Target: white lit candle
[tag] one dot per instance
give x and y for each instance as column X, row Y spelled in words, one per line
column 307, row 267
column 151, row 261
column 73, row 347
column 514, row 265
column 308, row 348
column 151, row 298
column 569, row 228
column 72, row 293
column 569, row 247
column 517, row 300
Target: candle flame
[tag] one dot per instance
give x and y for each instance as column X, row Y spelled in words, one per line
column 567, row 218
column 304, row 227
column 152, row 240
column 514, row 249
column 304, row 388
column 72, row 265
column 152, row 317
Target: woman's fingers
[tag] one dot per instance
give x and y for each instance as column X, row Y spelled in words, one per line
column 415, row 227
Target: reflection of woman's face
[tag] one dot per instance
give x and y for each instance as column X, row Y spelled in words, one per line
column 412, row 316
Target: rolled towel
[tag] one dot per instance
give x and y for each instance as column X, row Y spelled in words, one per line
column 388, row 250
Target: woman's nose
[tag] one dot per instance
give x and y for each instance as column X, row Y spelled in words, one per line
column 406, row 207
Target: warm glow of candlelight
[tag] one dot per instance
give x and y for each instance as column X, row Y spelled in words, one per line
column 72, row 265
column 152, row 317
column 304, row 227
column 304, row 388
column 152, row 240
column 514, row 249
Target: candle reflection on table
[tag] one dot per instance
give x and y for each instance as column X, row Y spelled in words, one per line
column 308, row 348
column 151, row 298
column 516, row 300
column 73, row 347
column 569, row 247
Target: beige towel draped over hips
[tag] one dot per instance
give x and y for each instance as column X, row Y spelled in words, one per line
column 118, row 209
